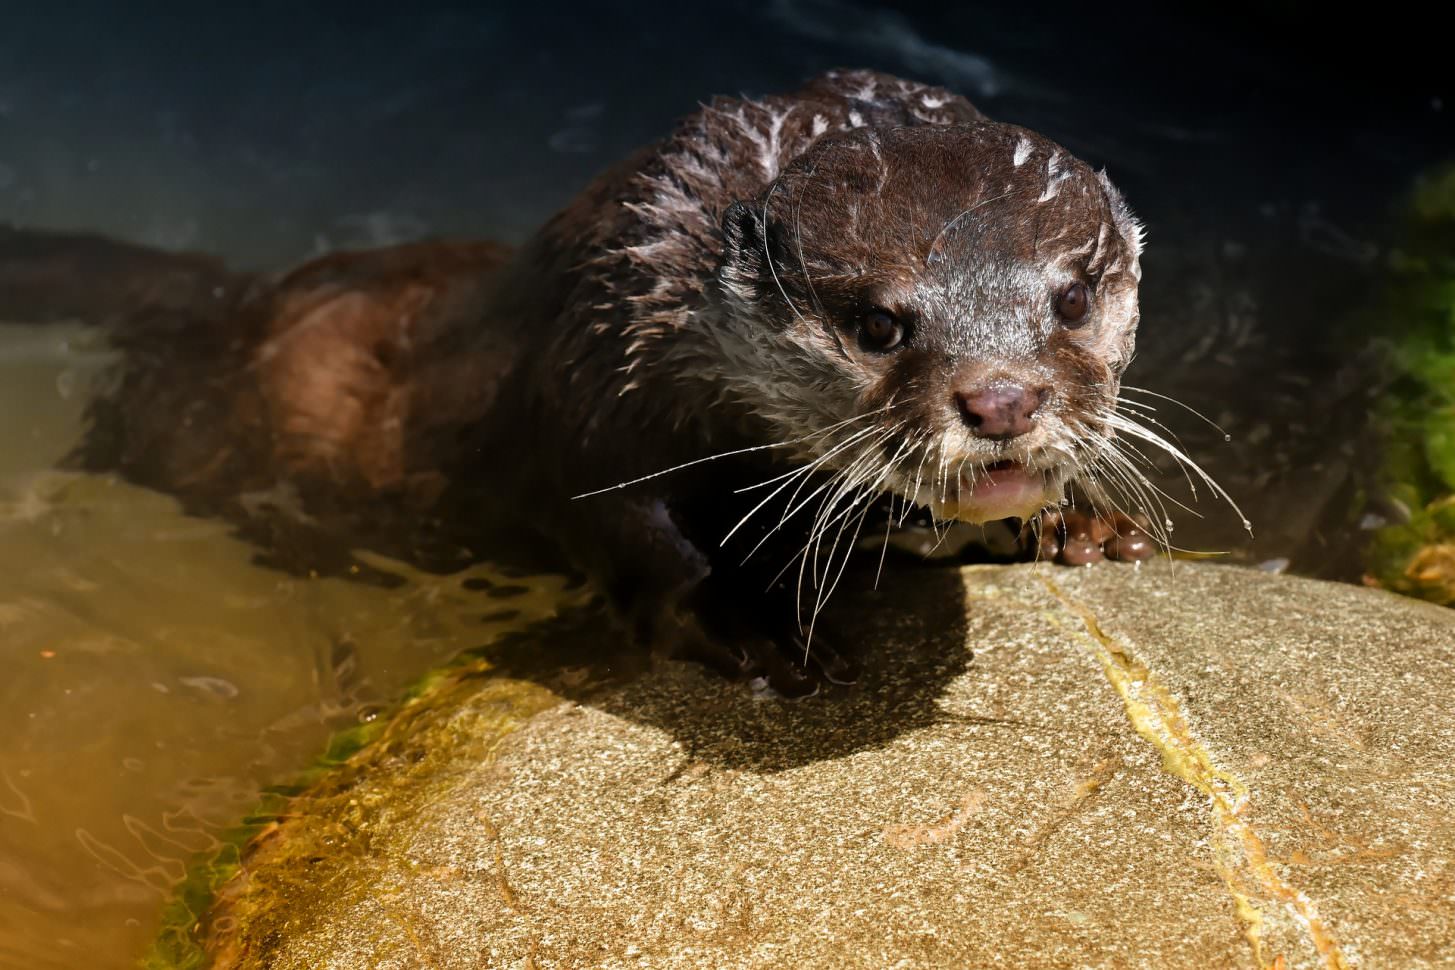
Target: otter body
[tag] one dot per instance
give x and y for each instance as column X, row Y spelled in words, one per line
column 700, row 378
column 861, row 289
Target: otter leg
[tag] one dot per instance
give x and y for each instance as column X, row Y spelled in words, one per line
column 761, row 637
column 752, row 598
column 1075, row 538
column 635, row 555
column 681, row 601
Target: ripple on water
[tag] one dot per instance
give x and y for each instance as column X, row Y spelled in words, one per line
column 157, row 679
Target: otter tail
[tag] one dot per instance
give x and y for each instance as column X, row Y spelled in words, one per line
column 344, row 385
column 51, row 276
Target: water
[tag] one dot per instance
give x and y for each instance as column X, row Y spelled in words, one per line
column 156, row 677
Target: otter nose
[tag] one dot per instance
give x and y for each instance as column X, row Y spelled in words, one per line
column 1002, row 410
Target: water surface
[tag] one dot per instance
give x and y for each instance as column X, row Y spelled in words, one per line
column 156, row 678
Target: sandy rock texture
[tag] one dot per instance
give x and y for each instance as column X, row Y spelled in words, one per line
column 1159, row 766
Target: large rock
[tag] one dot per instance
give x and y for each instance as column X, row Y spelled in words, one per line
column 1165, row 766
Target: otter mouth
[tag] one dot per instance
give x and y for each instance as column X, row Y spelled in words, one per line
column 1001, row 490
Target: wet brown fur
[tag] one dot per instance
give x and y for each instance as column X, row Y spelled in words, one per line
column 698, row 298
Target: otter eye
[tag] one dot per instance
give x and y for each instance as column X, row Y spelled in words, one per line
column 1075, row 300
column 880, row 331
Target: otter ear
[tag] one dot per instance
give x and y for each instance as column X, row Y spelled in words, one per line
column 1127, row 224
column 743, row 231
column 742, row 257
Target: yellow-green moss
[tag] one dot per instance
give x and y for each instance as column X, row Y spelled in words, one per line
column 1417, row 556
column 325, row 819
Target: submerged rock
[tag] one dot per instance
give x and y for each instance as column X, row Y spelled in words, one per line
column 1165, row 766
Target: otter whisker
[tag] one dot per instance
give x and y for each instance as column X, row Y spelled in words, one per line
column 788, row 474
column 768, row 254
column 1091, row 454
column 1116, row 451
column 1161, row 530
column 834, row 485
column 854, row 476
column 1127, row 426
column 799, row 470
column 1130, row 450
column 824, row 594
column 944, row 462
column 793, row 506
column 807, row 276
column 802, row 474
column 1131, row 410
column 912, row 495
column 722, row 454
column 1186, row 407
column 918, row 481
column 935, row 247
column 888, row 531
column 812, row 545
column 1109, row 455
column 867, row 493
column 1160, row 535
column 1133, row 485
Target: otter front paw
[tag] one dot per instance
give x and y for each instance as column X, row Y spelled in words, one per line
column 1075, row 538
column 746, row 644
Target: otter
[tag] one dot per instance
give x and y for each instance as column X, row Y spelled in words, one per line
column 861, row 289
column 795, row 317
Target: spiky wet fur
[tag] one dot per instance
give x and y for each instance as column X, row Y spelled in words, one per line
column 703, row 299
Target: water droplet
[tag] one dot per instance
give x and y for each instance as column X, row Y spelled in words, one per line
column 1248, row 526
column 1227, row 437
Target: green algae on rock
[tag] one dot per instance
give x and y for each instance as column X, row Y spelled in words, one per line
column 534, row 600
column 1172, row 765
column 340, row 821
column 1417, row 556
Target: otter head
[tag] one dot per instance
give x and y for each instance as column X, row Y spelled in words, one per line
column 941, row 312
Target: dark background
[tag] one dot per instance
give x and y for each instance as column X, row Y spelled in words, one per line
column 268, row 131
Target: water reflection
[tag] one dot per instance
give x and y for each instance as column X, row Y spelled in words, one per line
column 155, row 677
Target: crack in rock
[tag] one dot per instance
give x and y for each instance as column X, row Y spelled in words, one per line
column 1239, row 854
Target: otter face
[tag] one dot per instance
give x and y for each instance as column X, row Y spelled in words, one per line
column 939, row 312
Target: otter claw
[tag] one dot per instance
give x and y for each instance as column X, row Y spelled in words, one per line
column 1075, row 538
column 782, row 661
column 831, row 665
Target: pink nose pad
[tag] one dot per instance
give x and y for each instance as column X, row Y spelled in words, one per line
column 1001, row 411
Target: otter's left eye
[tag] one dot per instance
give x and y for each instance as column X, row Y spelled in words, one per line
column 1075, row 300
column 880, row 331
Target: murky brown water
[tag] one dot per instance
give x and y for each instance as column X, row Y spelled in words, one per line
column 154, row 678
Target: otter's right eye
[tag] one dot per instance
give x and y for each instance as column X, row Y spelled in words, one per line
column 1073, row 304
column 880, row 331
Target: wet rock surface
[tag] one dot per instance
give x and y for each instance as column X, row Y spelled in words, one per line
column 1165, row 765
